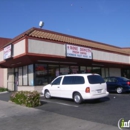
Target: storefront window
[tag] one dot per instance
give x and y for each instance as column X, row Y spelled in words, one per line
column 82, row 69
column 41, row 76
column 89, row 70
column 74, row 69
column 20, row 75
column 125, row 73
column 103, row 72
column 30, row 75
column 64, row 69
column 128, row 74
column 96, row 70
column 24, row 75
column 106, row 72
column 53, row 71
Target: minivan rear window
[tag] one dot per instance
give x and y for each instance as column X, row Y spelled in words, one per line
column 95, row 79
column 73, row 80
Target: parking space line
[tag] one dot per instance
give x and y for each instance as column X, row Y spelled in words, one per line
column 65, row 104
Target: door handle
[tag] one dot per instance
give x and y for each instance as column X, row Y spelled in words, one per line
column 58, row 87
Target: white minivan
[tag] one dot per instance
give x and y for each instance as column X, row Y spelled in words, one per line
column 78, row 87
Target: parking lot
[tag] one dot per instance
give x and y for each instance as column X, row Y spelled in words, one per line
column 107, row 110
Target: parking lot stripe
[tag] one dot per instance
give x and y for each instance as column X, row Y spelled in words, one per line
column 65, row 104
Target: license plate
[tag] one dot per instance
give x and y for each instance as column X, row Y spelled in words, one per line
column 99, row 90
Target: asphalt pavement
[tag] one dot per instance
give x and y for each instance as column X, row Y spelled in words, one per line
column 14, row 117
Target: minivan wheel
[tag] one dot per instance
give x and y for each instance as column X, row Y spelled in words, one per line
column 77, row 98
column 119, row 90
column 47, row 94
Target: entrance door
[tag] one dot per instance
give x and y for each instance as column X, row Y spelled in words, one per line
column 15, row 81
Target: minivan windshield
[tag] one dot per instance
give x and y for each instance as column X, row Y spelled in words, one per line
column 95, row 79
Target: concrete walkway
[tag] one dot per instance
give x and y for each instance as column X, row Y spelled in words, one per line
column 4, row 92
column 15, row 117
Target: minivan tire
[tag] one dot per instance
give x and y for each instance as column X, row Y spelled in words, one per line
column 77, row 98
column 47, row 94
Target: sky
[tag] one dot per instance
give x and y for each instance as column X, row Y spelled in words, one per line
column 105, row 21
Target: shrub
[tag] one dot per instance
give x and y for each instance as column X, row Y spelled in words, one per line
column 3, row 89
column 26, row 98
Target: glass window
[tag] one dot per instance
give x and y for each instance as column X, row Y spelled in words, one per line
column 125, row 73
column 113, row 79
column 94, row 79
column 30, row 75
column 124, row 79
column 103, row 72
column 15, row 69
column 53, row 71
column 57, row 81
column 24, row 75
column 64, row 69
column 83, row 69
column 107, row 79
column 20, row 75
column 106, row 72
column 74, row 69
column 97, row 70
column 41, row 77
column 89, row 70
column 73, row 80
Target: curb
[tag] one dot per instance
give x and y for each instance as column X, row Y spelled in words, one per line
column 3, row 92
column 41, row 95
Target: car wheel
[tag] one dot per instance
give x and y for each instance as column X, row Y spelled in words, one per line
column 47, row 94
column 77, row 98
column 119, row 90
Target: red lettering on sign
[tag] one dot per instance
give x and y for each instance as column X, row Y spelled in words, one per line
column 74, row 48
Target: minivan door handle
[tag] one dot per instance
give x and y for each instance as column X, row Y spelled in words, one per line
column 58, row 87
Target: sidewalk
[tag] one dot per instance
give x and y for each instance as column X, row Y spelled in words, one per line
column 3, row 92
column 15, row 117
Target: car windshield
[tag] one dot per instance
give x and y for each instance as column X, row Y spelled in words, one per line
column 94, row 79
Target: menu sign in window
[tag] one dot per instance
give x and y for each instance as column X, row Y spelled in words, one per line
column 78, row 52
column 7, row 52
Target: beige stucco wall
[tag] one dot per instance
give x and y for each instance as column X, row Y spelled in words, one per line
column 107, row 56
column 1, row 55
column 115, row 71
column 43, row 47
column 19, row 48
column 30, row 88
column 26, row 88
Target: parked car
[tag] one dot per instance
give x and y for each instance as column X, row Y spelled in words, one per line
column 117, row 84
column 78, row 87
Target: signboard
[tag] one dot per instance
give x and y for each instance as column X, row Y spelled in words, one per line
column 7, row 52
column 78, row 52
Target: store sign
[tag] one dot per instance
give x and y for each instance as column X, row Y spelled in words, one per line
column 78, row 52
column 7, row 52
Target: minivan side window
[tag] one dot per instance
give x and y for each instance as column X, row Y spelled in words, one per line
column 95, row 79
column 57, row 81
column 73, row 80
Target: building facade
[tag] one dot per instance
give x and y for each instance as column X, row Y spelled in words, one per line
column 35, row 57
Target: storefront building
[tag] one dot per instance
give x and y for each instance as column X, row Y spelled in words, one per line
column 35, row 57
